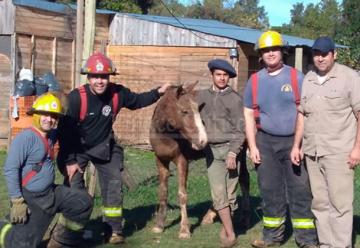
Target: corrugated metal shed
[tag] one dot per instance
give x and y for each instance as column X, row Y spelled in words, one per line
column 128, row 30
column 214, row 27
column 210, row 27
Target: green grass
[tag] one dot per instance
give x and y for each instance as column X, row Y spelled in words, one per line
column 140, row 205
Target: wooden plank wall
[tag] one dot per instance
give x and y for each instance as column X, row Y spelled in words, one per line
column 45, row 42
column 44, row 54
column 143, row 68
column 128, row 30
column 5, row 79
column 45, row 23
column 101, row 31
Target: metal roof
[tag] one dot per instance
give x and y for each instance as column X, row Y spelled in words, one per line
column 212, row 27
column 218, row 28
column 54, row 7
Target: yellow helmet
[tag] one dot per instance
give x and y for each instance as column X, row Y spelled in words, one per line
column 46, row 104
column 269, row 39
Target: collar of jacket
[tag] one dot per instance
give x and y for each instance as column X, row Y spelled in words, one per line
column 227, row 90
column 331, row 74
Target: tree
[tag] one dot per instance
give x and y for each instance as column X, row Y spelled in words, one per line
column 129, row 6
column 162, row 8
column 244, row 13
column 313, row 20
column 348, row 33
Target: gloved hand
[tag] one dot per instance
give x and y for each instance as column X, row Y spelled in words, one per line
column 18, row 211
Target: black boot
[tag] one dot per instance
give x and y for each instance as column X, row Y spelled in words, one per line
column 63, row 237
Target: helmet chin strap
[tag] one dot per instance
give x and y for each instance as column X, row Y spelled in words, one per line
column 275, row 68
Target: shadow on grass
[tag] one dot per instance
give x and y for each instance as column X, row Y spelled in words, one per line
column 137, row 219
column 256, row 216
column 356, row 228
column 199, row 210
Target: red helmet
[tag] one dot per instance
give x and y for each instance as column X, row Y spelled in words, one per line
column 98, row 63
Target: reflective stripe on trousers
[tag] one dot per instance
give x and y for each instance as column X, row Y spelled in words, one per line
column 3, row 233
column 273, row 221
column 304, row 223
column 112, row 211
column 71, row 225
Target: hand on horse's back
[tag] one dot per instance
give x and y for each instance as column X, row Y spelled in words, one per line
column 163, row 88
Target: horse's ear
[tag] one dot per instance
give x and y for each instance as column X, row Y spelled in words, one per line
column 179, row 91
column 191, row 87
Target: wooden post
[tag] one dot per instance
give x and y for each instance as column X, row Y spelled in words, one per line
column 127, row 179
column 299, row 58
column 234, row 82
column 32, row 53
column 89, row 32
column 89, row 36
column 53, row 62
column 13, row 61
column 91, row 179
column 73, row 65
column 79, row 39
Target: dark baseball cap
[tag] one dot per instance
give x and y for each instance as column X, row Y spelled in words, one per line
column 324, row 44
column 223, row 65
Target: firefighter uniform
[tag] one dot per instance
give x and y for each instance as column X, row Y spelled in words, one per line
column 35, row 199
column 272, row 99
column 87, row 135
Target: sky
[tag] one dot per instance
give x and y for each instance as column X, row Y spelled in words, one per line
column 278, row 11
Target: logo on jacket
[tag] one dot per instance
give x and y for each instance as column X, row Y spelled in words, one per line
column 106, row 110
column 286, row 88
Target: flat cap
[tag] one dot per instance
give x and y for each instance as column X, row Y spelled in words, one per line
column 324, row 44
column 223, row 65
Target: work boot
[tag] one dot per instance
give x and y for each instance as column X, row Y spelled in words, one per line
column 264, row 244
column 309, row 246
column 116, row 238
column 54, row 244
column 64, row 238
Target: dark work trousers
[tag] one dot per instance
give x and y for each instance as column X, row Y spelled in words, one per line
column 109, row 174
column 283, row 185
column 74, row 204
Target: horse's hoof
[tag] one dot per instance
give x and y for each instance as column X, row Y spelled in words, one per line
column 157, row 229
column 184, row 235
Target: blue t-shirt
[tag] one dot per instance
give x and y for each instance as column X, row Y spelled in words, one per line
column 276, row 101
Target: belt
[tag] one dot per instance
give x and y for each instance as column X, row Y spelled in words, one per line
column 219, row 144
column 267, row 133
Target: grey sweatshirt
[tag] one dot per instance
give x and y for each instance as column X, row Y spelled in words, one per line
column 222, row 113
column 25, row 151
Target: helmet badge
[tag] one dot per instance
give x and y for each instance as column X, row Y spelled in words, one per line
column 54, row 105
column 99, row 66
column 268, row 41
